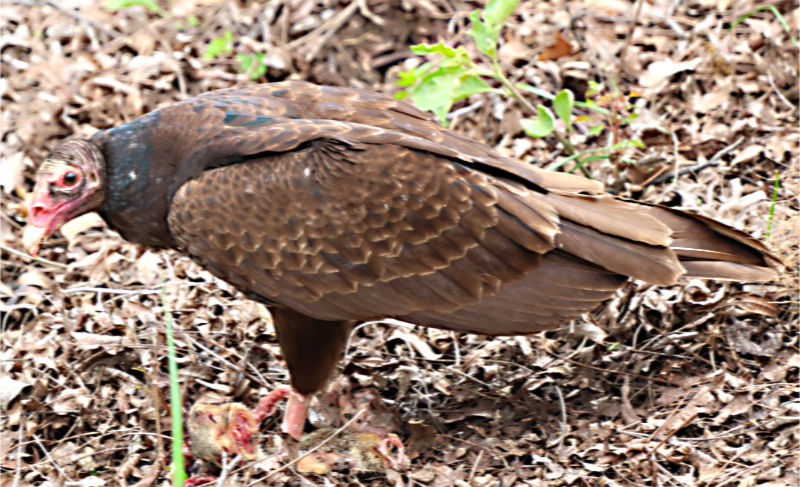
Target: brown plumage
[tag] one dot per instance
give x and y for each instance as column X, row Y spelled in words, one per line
column 335, row 206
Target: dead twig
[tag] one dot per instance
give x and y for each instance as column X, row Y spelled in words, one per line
column 227, row 467
column 365, row 11
column 714, row 161
column 628, row 37
column 672, row 23
column 322, row 34
column 26, row 256
column 560, row 440
column 779, row 93
column 51, row 459
column 474, row 466
column 675, row 163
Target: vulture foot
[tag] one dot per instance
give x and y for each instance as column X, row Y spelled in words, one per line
column 296, row 410
column 384, row 446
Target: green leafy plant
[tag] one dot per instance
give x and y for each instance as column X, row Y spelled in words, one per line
column 775, row 189
column 253, row 64
column 436, row 88
column 607, row 112
column 219, row 45
column 612, row 109
column 114, row 5
column 487, row 24
column 563, row 104
column 454, row 75
column 457, row 76
column 544, row 123
column 541, row 125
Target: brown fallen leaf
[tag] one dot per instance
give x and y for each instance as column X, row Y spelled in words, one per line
column 558, row 49
column 12, row 171
column 9, row 390
column 660, row 71
column 71, row 229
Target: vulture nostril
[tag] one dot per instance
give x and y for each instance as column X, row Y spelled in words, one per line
column 37, row 211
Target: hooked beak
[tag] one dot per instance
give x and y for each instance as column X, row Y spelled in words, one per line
column 32, row 238
column 43, row 220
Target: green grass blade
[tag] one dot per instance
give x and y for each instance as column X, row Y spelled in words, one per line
column 774, row 11
column 179, row 470
column 774, row 201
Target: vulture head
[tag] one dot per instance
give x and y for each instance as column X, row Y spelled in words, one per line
column 68, row 184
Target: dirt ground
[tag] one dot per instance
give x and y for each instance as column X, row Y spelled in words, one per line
column 695, row 384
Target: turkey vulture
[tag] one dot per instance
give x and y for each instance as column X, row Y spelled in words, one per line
column 335, row 206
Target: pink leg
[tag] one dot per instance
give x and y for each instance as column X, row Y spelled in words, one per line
column 296, row 413
column 296, row 410
column 383, row 448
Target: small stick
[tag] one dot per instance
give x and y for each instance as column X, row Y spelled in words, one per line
column 628, row 38
column 227, row 467
column 26, row 256
column 675, row 157
column 474, row 466
column 560, row 440
column 671, row 22
column 714, row 161
column 778, row 92
column 52, row 461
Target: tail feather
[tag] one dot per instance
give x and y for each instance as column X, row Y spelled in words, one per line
column 651, row 263
column 709, row 249
column 727, row 271
column 610, row 215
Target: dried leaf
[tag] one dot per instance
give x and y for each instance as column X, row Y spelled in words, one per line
column 417, row 343
column 12, row 171
column 9, row 390
column 35, row 277
column 92, row 341
column 740, row 404
column 660, row 71
column 558, row 49
column 72, row 228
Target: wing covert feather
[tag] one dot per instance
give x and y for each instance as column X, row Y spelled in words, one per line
column 234, row 124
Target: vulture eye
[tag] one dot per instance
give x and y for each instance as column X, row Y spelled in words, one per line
column 70, row 178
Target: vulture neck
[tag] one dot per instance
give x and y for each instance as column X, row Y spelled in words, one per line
column 142, row 171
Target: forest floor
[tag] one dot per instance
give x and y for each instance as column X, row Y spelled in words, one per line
column 695, row 384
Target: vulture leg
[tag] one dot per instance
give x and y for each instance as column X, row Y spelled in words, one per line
column 311, row 349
